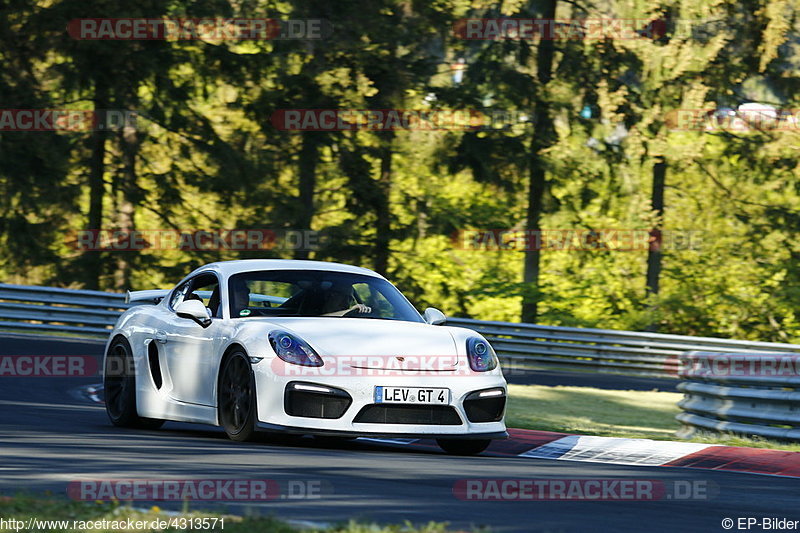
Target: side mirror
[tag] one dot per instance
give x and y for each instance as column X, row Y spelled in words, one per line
column 434, row 317
column 194, row 310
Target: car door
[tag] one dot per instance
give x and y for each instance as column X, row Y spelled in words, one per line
column 191, row 351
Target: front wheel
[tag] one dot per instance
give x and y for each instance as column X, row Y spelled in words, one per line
column 463, row 446
column 237, row 405
column 119, row 388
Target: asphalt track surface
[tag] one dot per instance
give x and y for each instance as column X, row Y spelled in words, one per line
column 49, row 437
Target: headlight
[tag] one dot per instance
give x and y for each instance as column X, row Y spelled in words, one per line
column 481, row 355
column 293, row 350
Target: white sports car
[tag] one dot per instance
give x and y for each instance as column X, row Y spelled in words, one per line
column 304, row 347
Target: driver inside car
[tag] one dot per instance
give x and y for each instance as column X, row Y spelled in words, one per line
column 340, row 300
column 240, row 298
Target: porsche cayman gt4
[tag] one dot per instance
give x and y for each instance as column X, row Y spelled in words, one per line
column 302, row 347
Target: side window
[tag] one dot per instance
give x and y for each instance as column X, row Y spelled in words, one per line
column 179, row 295
column 205, row 288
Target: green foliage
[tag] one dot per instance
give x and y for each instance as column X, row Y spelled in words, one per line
column 206, row 155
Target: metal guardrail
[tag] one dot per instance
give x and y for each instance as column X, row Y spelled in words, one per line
column 743, row 393
column 603, row 349
column 93, row 313
column 31, row 308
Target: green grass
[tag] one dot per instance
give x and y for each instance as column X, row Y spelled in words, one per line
column 23, row 507
column 610, row 413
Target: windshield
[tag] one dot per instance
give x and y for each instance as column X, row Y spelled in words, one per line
column 316, row 293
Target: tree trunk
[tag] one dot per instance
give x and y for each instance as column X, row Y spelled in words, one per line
column 383, row 222
column 127, row 194
column 654, row 253
column 536, row 188
column 307, row 171
column 543, row 137
column 93, row 259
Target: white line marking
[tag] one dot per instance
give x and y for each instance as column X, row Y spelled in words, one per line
column 643, row 452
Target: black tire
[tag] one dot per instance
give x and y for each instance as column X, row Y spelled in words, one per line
column 119, row 388
column 236, row 403
column 463, row 446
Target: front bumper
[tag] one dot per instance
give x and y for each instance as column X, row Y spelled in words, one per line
column 360, row 434
column 273, row 416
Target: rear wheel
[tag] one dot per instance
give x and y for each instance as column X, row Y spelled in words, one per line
column 463, row 446
column 119, row 388
column 237, row 406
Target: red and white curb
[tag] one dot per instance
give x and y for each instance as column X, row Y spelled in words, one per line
column 532, row 444
column 619, row 451
column 645, row 452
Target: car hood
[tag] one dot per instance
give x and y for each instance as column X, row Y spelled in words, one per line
column 374, row 343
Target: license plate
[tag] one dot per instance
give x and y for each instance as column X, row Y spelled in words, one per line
column 418, row 395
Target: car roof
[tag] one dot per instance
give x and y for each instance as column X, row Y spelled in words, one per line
column 229, row 268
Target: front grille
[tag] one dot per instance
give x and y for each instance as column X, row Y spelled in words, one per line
column 485, row 409
column 315, row 404
column 434, row 415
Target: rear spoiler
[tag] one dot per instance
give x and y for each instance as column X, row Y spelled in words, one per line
column 150, row 297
